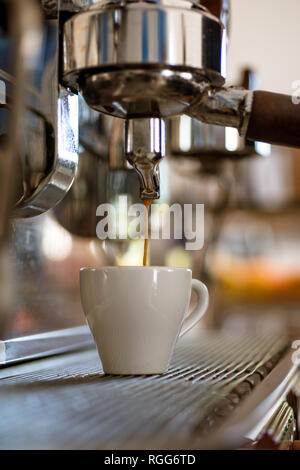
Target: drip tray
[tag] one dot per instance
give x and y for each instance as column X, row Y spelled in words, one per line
column 218, row 387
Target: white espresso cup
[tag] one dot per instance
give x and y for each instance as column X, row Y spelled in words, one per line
column 136, row 314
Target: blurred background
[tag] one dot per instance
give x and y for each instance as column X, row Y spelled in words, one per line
column 255, row 262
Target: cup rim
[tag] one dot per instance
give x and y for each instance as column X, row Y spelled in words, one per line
column 148, row 268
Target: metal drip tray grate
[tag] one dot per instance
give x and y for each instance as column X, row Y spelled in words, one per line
column 66, row 402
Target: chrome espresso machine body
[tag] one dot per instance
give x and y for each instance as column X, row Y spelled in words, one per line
column 143, row 62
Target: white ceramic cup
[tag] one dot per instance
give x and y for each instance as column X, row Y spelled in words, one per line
column 136, row 314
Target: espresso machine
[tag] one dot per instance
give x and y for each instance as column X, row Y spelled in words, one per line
column 138, row 62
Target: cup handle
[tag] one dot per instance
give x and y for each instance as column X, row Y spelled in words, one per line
column 200, row 309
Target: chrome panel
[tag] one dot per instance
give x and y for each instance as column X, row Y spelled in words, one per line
column 169, row 33
column 60, row 171
column 47, row 155
column 44, row 344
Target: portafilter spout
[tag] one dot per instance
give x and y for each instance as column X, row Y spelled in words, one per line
column 144, row 149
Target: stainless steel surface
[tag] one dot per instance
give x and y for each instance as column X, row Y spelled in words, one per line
column 23, row 27
column 192, row 138
column 77, row 212
column 281, row 424
column 39, row 119
column 210, row 379
column 44, row 262
column 140, row 58
column 161, row 32
column 144, row 148
column 266, row 398
column 189, row 137
column 103, row 173
column 53, row 7
column 225, row 107
column 143, row 60
column 44, row 344
column 47, row 180
column 47, row 148
column 143, row 92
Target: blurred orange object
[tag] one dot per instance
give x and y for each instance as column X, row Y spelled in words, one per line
column 256, row 279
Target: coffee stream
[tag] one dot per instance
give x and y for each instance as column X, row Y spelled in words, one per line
column 147, row 203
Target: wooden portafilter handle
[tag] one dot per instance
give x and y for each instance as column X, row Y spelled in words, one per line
column 274, row 119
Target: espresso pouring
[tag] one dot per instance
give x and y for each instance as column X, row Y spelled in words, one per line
column 147, row 203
